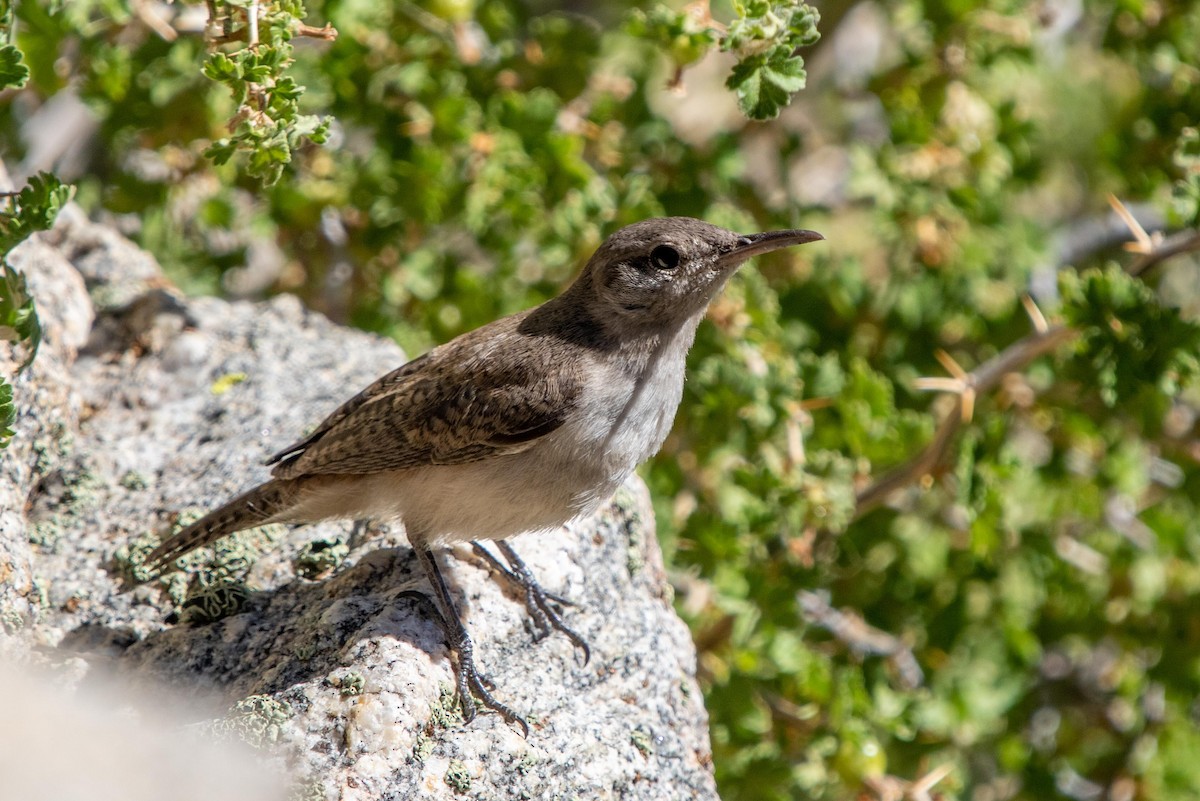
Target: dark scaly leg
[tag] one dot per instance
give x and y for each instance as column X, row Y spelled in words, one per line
column 469, row 683
column 360, row 529
column 538, row 602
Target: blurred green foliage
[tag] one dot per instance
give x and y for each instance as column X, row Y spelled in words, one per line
column 266, row 125
column 766, row 37
column 1043, row 577
column 22, row 213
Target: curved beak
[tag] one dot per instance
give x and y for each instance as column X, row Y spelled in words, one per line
column 755, row 244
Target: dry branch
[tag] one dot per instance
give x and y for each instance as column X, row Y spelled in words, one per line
column 1175, row 245
column 1153, row 249
column 987, row 377
column 856, row 634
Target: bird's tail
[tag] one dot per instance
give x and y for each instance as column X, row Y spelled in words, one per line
column 254, row 508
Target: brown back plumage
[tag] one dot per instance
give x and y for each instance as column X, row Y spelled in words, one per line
column 489, row 392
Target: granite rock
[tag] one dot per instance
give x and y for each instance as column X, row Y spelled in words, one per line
column 146, row 407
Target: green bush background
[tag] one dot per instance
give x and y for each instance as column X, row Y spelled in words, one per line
column 957, row 155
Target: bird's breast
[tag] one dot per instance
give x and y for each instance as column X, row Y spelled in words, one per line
column 621, row 420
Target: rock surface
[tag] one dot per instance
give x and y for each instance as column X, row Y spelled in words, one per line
column 144, row 405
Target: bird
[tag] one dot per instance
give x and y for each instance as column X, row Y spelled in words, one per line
column 521, row 425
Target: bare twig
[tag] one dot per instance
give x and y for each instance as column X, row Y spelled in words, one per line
column 804, row 718
column 1084, row 240
column 252, row 23
column 426, row 19
column 326, row 32
column 864, row 639
column 894, row 788
column 1174, row 245
column 1143, row 242
column 984, row 379
column 1153, row 249
column 921, row 787
column 1035, row 314
column 150, row 18
column 228, row 34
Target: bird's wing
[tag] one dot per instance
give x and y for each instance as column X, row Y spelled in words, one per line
column 381, row 386
column 460, row 404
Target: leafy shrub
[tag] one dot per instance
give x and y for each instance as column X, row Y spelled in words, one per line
column 1015, row 616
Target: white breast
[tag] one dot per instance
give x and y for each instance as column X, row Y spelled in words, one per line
column 628, row 415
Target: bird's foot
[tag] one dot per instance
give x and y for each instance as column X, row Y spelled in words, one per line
column 540, row 603
column 470, row 684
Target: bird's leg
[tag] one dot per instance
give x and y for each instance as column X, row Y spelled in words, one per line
column 538, row 601
column 359, row 531
column 469, row 683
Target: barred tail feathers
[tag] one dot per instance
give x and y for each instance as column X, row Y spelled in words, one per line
column 254, row 508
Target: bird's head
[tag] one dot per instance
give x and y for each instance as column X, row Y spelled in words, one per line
column 666, row 270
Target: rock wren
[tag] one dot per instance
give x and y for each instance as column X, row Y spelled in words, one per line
column 521, row 425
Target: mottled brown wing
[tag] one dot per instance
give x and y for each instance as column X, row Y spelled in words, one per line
column 460, row 406
column 380, row 387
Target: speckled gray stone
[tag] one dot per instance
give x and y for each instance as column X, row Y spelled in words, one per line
column 145, row 404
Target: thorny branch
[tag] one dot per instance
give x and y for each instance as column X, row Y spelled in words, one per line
column 987, row 377
column 1153, row 250
column 150, row 18
column 893, row 788
column 1175, row 245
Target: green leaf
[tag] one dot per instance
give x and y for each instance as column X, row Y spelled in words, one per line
column 766, row 37
column 8, row 413
column 220, row 67
column 1185, row 194
column 683, row 36
column 764, row 83
column 33, row 209
column 761, row 24
column 18, row 316
column 13, row 72
column 308, row 125
column 220, row 151
column 1130, row 341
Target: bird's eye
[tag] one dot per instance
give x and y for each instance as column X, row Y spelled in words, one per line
column 664, row 257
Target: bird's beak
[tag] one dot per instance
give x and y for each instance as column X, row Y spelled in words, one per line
column 754, row 244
